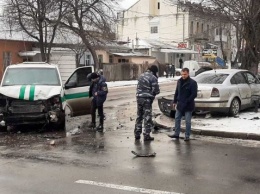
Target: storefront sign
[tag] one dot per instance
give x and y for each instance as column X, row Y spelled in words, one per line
column 209, row 52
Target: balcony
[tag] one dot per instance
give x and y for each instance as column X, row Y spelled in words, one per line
column 204, row 36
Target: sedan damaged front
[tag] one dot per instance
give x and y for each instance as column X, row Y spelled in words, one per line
column 226, row 91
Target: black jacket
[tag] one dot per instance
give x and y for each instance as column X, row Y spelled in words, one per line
column 186, row 92
column 101, row 88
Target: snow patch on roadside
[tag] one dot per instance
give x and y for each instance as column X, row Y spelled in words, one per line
column 246, row 122
column 134, row 82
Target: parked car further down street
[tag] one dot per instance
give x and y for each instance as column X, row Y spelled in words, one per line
column 224, row 90
column 202, row 69
column 193, row 66
column 32, row 93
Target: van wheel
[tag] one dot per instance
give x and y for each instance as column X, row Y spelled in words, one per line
column 178, row 73
column 3, row 129
column 60, row 125
column 234, row 107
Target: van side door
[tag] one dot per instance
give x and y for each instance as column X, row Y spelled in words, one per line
column 76, row 91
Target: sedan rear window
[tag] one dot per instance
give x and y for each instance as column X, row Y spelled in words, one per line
column 31, row 76
column 211, row 78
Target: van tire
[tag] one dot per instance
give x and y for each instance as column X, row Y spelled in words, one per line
column 3, row 129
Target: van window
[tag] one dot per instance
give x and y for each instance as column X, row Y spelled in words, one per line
column 31, row 76
column 80, row 77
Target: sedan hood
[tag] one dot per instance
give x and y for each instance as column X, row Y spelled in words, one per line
column 31, row 92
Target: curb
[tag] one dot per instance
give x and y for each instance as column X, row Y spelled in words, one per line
column 223, row 134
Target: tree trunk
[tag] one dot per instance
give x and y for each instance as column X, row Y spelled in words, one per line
column 77, row 58
column 221, row 44
column 92, row 51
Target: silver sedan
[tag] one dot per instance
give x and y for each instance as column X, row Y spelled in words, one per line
column 227, row 90
column 222, row 90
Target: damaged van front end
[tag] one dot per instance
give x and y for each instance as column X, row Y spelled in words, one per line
column 31, row 94
column 18, row 111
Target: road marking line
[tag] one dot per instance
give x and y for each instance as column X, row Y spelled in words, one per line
column 125, row 188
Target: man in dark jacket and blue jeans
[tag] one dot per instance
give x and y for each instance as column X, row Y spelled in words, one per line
column 98, row 90
column 183, row 102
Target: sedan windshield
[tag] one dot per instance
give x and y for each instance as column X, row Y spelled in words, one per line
column 211, row 78
column 31, row 76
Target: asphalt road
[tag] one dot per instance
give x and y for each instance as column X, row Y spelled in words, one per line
column 98, row 163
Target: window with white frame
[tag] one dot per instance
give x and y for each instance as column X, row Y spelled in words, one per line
column 100, row 59
column 154, row 29
column 219, row 31
column 191, row 27
column 7, row 59
column 88, row 59
column 111, row 58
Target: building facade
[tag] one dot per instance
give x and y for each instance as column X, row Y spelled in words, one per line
column 173, row 25
column 9, row 50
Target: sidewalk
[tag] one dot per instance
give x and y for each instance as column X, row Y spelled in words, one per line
column 245, row 126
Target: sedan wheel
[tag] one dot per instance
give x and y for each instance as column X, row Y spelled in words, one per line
column 234, row 107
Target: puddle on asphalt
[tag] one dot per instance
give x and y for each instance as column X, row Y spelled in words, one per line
column 49, row 140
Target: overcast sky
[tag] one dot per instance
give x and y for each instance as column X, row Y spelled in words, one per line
column 127, row 3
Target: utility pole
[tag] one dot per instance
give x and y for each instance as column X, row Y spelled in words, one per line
column 136, row 40
column 183, row 27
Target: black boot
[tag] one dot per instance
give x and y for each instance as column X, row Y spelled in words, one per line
column 100, row 128
column 148, row 138
column 92, row 125
column 174, row 136
column 137, row 136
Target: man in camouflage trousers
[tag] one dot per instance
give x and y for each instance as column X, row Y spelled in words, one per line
column 147, row 89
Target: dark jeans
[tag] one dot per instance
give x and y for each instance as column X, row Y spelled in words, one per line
column 178, row 116
column 94, row 107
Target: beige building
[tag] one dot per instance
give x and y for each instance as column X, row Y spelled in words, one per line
column 171, row 25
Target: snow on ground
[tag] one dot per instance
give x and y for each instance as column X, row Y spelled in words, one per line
column 134, row 82
column 247, row 122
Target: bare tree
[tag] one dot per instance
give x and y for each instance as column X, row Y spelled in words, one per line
column 32, row 16
column 70, row 40
column 245, row 16
column 92, row 21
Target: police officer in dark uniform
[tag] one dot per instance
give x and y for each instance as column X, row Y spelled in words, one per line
column 147, row 89
column 98, row 90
